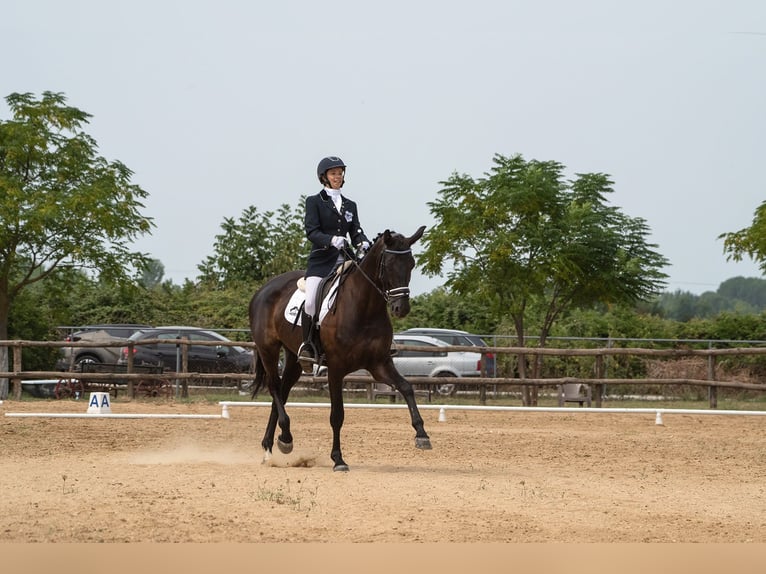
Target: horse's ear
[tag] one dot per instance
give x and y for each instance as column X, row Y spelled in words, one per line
column 417, row 235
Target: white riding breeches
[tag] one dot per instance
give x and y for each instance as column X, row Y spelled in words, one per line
column 312, row 284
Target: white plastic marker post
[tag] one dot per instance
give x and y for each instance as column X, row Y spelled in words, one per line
column 99, row 404
column 442, row 416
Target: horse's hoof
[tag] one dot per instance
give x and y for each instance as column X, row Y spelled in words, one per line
column 340, row 468
column 423, row 443
column 285, row 447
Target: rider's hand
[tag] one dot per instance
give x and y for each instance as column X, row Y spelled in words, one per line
column 362, row 249
column 338, row 242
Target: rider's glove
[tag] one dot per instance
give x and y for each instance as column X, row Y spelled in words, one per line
column 338, row 242
column 362, row 249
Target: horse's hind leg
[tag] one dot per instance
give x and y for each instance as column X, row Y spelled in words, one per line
column 277, row 415
column 337, row 414
column 279, row 387
column 268, row 437
column 290, row 376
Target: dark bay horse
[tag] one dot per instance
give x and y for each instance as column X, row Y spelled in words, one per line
column 355, row 334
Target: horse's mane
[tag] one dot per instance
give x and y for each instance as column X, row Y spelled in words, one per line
column 377, row 246
column 379, row 240
column 378, row 236
column 391, row 232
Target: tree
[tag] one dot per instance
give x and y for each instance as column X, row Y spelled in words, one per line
column 532, row 245
column 152, row 274
column 61, row 204
column 750, row 241
column 255, row 247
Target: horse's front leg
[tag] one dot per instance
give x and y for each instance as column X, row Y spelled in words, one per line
column 337, row 415
column 388, row 374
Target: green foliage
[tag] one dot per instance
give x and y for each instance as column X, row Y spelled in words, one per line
column 619, row 322
column 750, row 241
column 729, row 326
column 255, row 247
column 152, row 274
column 446, row 310
column 531, row 245
column 222, row 308
column 736, row 295
column 35, row 312
column 749, row 290
column 61, row 205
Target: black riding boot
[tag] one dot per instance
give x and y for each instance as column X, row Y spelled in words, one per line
column 307, row 354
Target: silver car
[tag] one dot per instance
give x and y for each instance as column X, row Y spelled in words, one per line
column 434, row 362
column 459, row 339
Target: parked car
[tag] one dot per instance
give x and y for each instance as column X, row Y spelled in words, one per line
column 461, row 339
column 436, row 362
column 202, row 358
column 104, row 333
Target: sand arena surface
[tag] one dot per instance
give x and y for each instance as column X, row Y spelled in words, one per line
column 491, row 477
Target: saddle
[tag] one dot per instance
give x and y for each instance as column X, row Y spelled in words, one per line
column 325, row 286
column 325, row 296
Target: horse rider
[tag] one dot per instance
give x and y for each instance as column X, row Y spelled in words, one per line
column 329, row 219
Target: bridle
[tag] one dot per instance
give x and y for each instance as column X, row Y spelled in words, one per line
column 388, row 295
column 397, row 292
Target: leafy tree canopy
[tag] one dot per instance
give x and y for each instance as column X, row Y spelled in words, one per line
column 531, row 244
column 750, row 241
column 256, row 247
column 61, row 204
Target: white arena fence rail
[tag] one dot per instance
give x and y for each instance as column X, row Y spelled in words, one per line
column 112, row 415
column 657, row 412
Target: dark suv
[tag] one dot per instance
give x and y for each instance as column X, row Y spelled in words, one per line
column 102, row 333
column 202, row 358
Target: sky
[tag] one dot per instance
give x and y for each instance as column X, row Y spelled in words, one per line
column 221, row 105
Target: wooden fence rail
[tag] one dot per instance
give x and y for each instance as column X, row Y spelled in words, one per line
column 17, row 374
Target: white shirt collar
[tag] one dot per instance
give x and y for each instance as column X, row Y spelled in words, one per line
column 335, row 196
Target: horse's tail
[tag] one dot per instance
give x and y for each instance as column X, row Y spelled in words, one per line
column 260, row 375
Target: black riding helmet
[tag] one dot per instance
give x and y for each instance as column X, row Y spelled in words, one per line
column 329, row 163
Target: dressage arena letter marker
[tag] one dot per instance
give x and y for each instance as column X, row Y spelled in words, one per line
column 99, row 404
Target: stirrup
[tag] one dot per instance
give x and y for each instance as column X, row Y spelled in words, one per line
column 307, row 351
column 307, row 358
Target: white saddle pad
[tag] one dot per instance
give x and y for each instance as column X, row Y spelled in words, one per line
column 292, row 311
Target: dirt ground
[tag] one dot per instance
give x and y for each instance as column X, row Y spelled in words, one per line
column 491, row 477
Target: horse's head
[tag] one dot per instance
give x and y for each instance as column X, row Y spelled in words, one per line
column 393, row 252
